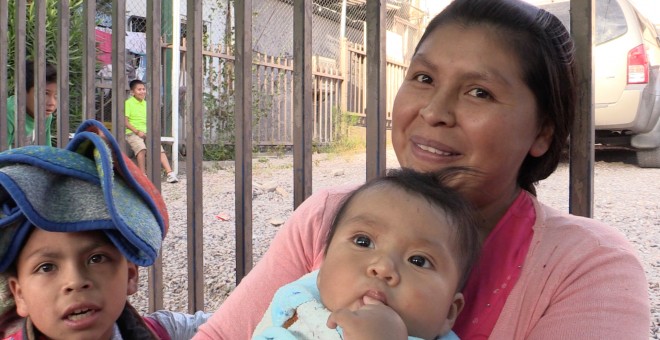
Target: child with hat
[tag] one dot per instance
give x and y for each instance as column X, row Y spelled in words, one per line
column 74, row 225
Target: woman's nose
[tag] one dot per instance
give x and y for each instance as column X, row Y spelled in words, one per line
column 439, row 110
column 384, row 268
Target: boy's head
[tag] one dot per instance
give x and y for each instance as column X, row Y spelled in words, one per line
column 72, row 284
column 407, row 240
column 50, row 92
column 138, row 89
column 74, row 224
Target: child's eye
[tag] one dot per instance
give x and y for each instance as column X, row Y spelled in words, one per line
column 46, row 268
column 97, row 258
column 363, row 241
column 479, row 93
column 423, row 78
column 420, row 261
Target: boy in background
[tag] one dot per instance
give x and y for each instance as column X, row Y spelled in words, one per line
column 51, row 105
column 75, row 225
column 135, row 110
column 398, row 254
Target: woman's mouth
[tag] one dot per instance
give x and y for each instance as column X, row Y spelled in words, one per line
column 434, row 150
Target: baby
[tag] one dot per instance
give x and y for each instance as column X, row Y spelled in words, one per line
column 397, row 255
column 74, row 226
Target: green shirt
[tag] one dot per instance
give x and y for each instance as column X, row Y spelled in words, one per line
column 29, row 124
column 136, row 113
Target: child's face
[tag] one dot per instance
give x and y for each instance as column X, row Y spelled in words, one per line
column 139, row 91
column 397, row 248
column 72, row 285
column 50, row 96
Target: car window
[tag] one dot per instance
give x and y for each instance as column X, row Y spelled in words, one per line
column 649, row 33
column 610, row 21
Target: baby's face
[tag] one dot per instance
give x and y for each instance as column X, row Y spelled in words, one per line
column 397, row 248
column 72, row 285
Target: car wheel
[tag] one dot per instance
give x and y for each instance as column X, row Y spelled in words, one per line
column 649, row 158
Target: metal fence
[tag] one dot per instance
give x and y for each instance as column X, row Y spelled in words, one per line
column 334, row 80
column 116, row 41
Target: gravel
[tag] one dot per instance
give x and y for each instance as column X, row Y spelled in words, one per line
column 625, row 196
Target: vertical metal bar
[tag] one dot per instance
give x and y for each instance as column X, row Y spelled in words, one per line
column 4, row 40
column 582, row 136
column 243, row 131
column 119, row 71
column 302, row 101
column 376, row 90
column 343, row 72
column 39, row 54
column 194, row 110
column 153, row 135
column 63, row 23
column 175, row 81
column 89, row 59
column 19, row 73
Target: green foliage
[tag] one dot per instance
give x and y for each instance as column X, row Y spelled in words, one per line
column 75, row 47
column 218, row 97
column 215, row 152
column 343, row 140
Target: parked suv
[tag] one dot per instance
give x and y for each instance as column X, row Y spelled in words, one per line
column 627, row 77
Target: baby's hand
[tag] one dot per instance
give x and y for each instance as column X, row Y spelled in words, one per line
column 374, row 320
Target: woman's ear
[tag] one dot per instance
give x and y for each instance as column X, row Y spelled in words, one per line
column 543, row 140
column 15, row 288
column 132, row 287
column 456, row 307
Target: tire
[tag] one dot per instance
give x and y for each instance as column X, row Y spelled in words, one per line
column 648, row 158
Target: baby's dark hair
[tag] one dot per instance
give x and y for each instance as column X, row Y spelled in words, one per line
column 134, row 83
column 435, row 188
column 51, row 74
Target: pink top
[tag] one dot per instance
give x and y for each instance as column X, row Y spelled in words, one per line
column 493, row 277
column 581, row 279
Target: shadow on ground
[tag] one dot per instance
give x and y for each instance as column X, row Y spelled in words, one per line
column 616, row 155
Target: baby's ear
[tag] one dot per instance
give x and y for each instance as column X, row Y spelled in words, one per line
column 132, row 287
column 456, row 307
column 17, row 292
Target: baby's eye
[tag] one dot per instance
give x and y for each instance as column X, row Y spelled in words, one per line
column 420, row 261
column 97, row 258
column 423, row 78
column 46, row 268
column 363, row 241
column 479, row 93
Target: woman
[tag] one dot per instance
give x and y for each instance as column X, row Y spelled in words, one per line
column 492, row 87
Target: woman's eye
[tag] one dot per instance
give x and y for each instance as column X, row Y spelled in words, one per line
column 420, row 261
column 363, row 241
column 97, row 258
column 479, row 93
column 46, row 268
column 423, row 78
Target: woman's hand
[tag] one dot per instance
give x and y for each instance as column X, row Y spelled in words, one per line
column 374, row 320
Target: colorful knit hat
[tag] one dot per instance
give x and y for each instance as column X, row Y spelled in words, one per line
column 90, row 185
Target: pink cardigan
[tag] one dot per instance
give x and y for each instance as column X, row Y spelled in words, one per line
column 581, row 279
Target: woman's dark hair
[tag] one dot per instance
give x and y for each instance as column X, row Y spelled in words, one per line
column 51, row 74
column 545, row 53
column 434, row 188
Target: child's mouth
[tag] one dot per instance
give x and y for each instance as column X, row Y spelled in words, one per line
column 80, row 314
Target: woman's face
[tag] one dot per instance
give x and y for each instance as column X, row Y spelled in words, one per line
column 464, row 103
